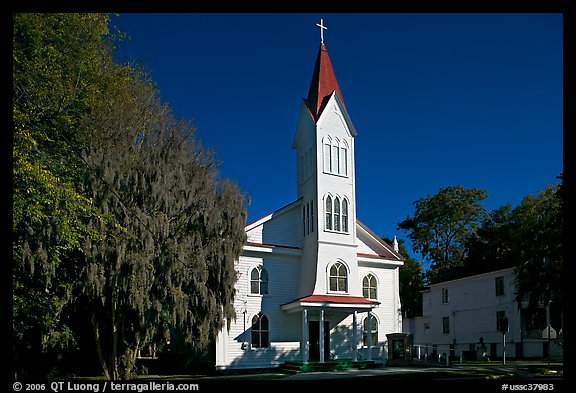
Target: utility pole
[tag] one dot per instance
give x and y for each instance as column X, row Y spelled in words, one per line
column 504, row 348
column 504, row 328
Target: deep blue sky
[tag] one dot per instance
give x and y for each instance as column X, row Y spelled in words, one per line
column 437, row 99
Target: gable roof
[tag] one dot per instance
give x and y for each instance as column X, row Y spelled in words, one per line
column 380, row 241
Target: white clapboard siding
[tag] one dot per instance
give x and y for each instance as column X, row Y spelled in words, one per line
column 285, row 329
column 283, row 228
column 472, row 308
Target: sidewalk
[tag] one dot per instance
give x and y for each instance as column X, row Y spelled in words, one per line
column 522, row 369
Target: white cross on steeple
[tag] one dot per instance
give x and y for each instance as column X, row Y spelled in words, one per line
column 322, row 28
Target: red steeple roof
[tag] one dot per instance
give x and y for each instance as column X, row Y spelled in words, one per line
column 323, row 84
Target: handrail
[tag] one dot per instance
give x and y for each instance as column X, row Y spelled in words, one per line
column 357, row 351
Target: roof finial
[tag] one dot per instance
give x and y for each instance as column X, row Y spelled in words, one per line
column 322, row 28
column 395, row 244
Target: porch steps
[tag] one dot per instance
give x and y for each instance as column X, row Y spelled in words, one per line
column 294, row 367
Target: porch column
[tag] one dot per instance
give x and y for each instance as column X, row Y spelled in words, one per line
column 321, row 336
column 354, row 336
column 369, row 335
column 305, row 336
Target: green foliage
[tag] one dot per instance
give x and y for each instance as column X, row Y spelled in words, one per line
column 441, row 225
column 121, row 220
column 528, row 237
column 538, row 246
column 55, row 64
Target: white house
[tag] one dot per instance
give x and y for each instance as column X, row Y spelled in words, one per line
column 314, row 282
column 463, row 317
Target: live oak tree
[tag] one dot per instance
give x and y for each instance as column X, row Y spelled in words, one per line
column 168, row 259
column 56, row 66
column 538, row 246
column 492, row 246
column 527, row 237
column 121, row 218
column 441, row 225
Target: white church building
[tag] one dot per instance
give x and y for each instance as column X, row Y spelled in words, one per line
column 315, row 284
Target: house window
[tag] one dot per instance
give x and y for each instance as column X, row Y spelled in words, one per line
column 500, row 315
column 373, row 330
column 369, row 287
column 259, row 281
column 260, row 331
column 499, row 282
column 329, row 212
column 445, row 295
column 446, row 325
column 426, row 329
column 338, row 278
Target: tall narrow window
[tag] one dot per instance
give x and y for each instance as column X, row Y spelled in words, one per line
column 303, row 220
column 445, row 325
column 343, row 161
column 327, row 160
column 369, row 287
column 344, row 215
column 445, row 297
column 499, row 281
column 336, row 214
column 259, row 281
column 500, row 315
column 307, row 218
column 329, row 212
column 372, row 329
column 338, row 277
column 335, row 160
column 311, row 216
column 260, row 331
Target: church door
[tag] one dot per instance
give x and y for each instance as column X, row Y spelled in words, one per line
column 314, row 339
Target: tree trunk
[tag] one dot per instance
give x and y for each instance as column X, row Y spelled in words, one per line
column 99, row 348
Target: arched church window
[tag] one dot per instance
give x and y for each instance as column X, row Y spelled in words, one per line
column 344, row 215
column 335, row 158
column 260, row 331
column 327, row 155
column 343, row 161
column 336, row 214
column 259, row 281
column 372, row 331
column 338, row 278
column 329, row 212
column 369, row 287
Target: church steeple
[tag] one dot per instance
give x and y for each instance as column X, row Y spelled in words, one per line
column 323, row 83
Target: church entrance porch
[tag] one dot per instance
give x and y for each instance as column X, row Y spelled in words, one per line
column 330, row 327
column 314, row 340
